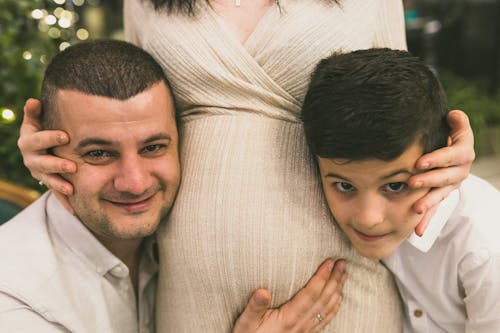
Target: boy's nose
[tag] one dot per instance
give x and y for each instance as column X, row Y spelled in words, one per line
column 371, row 213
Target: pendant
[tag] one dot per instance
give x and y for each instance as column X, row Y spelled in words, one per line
column 237, row 3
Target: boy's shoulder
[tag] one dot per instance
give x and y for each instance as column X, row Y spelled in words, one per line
column 476, row 219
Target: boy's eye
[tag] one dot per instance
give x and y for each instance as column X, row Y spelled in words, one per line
column 395, row 187
column 343, row 187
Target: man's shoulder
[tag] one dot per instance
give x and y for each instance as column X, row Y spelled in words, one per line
column 27, row 254
column 26, row 232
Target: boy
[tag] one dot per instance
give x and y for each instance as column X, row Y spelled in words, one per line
column 368, row 116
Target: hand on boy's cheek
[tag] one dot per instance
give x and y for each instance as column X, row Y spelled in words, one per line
column 424, row 222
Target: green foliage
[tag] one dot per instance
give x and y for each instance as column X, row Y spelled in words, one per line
column 19, row 78
column 483, row 110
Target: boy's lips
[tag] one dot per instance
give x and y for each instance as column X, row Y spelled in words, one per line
column 370, row 237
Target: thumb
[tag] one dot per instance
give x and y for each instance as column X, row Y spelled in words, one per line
column 254, row 313
column 459, row 124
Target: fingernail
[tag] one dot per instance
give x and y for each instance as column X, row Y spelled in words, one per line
column 330, row 265
column 418, row 185
column 64, row 191
column 61, row 138
column 341, row 266
column 66, row 167
column 424, row 165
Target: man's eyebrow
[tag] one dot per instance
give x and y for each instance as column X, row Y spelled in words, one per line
column 102, row 142
column 157, row 137
column 93, row 141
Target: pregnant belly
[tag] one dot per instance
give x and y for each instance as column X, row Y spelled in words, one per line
column 249, row 214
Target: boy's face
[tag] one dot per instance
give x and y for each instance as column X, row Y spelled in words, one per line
column 371, row 201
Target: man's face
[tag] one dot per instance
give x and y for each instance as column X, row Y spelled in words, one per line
column 371, row 201
column 127, row 158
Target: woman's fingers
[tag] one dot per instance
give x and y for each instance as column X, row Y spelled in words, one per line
column 438, row 178
column 329, row 304
column 34, row 143
column 424, row 222
column 255, row 312
column 305, row 299
column 432, row 198
column 310, row 310
column 32, row 113
column 460, row 152
column 313, row 307
column 54, row 182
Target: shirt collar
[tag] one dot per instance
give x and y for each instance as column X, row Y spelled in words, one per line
column 437, row 223
column 78, row 238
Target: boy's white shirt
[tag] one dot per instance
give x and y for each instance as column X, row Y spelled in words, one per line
column 449, row 279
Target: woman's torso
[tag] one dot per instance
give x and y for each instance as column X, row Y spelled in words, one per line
column 250, row 212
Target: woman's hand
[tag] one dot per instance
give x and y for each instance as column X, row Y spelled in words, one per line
column 310, row 310
column 34, row 142
column 448, row 167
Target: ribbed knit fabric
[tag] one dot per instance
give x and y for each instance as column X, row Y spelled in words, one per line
column 250, row 212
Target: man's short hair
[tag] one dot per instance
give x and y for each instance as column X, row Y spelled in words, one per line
column 374, row 104
column 108, row 68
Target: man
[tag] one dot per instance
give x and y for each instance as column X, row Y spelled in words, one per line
column 92, row 267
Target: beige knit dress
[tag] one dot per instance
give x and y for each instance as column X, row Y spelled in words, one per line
column 250, row 211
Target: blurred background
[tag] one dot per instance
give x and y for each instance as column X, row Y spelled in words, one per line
column 460, row 39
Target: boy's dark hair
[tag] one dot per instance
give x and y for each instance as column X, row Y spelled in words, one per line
column 373, row 104
column 108, row 68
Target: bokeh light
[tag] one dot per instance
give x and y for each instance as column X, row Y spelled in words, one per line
column 82, row 34
column 27, row 55
column 37, row 14
column 50, row 19
column 64, row 45
column 8, row 116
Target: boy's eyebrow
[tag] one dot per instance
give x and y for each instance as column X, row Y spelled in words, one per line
column 397, row 172
column 334, row 175
column 392, row 174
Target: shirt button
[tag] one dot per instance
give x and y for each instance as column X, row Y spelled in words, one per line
column 418, row 313
column 119, row 271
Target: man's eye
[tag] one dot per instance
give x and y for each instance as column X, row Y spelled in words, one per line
column 156, row 148
column 99, row 157
column 343, row 187
column 98, row 154
column 395, row 187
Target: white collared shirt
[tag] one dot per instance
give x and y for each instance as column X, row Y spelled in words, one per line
column 55, row 276
column 449, row 279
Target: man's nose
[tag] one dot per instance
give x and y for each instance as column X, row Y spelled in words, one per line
column 133, row 175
